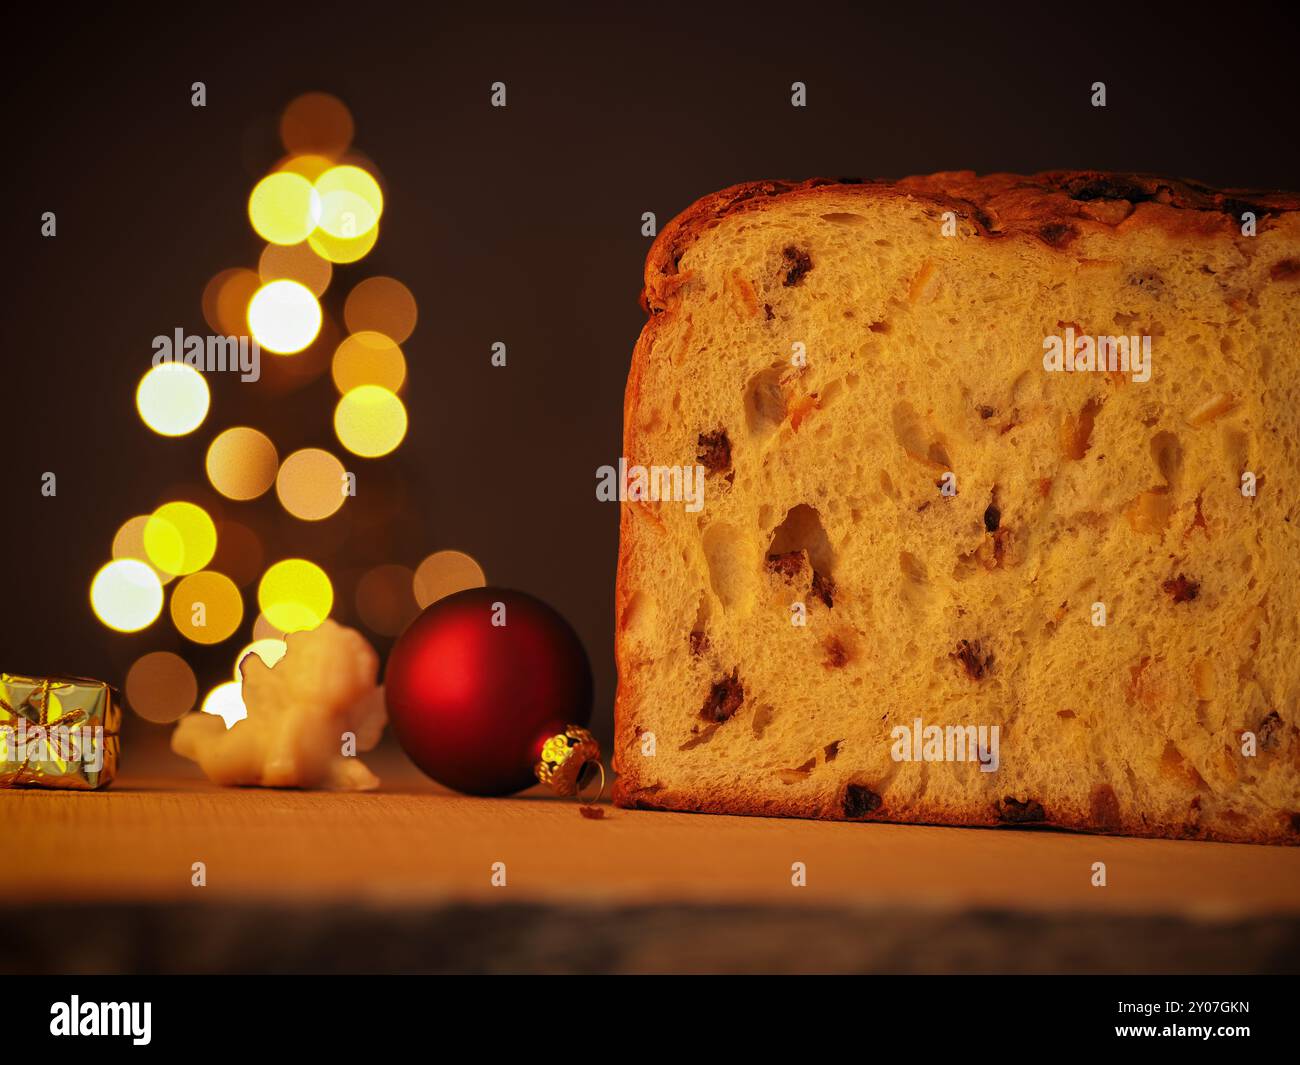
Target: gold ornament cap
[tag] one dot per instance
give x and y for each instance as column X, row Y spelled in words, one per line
column 565, row 756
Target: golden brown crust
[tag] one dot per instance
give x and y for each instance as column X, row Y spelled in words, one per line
column 628, row 796
column 1053, row 207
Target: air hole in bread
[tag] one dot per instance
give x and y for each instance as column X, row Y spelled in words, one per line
column 1235, row 447
column 828, row 395
column 802, row 531
column 912, row 567
column 823, row 587
column 765, row 401
column 844, row 218
column 699, row 637
column 915, row 437
column 799, row 773
column 1285, row 270
column 630, row 611
column 763, row 716
column 1076, row 432
column 992, row 513
column 1167, row 451
column 728, row 555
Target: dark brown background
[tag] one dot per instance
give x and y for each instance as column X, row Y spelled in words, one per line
column 519, row 225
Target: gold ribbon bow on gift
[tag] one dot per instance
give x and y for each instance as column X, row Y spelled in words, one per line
column 52, row 714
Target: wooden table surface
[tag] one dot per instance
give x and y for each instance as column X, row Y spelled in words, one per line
column 402, row 879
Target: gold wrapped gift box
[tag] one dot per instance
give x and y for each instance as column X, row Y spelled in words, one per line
column 58, row 732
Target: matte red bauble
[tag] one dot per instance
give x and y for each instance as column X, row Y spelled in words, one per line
column 484, row 686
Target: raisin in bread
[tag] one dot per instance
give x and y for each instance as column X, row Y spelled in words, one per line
column 916, row 527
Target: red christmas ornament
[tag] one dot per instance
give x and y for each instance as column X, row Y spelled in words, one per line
column 486, row 690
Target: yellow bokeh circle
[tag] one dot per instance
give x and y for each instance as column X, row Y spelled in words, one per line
column 180, row 538
column 368, row 358
column 340, row 249
column 206, row 607
column 269, row 650
column 370, row 421
column 295, row 594
column 284, row 208
column 173, row 399
column 350, row 202
column 310, row 165
column 241, row 463
column 128, row 542
column 284, row 316
column 310, row 484
column 126, row 595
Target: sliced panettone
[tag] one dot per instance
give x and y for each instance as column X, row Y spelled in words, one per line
column 999, row 523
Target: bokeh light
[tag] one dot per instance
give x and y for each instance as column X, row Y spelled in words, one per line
column 350, row 202
column 226, row 701
column 444, row 573
column 385, row 602
column 311, row 166
column 128, row 542
column 295, row 594
column 310, row 484
column 180, row 538
column 370, row 421
column 368, row 358
column 206, row 607
column 126, row 595
column 173, row 399
column 381, row 304
column 241, row 463
column 225, row 301
column 161, row 687
column 284, row 208
column 317, row 123
column 341, row 249
column 269, row 650
column 295, row 262
column 284, row 316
